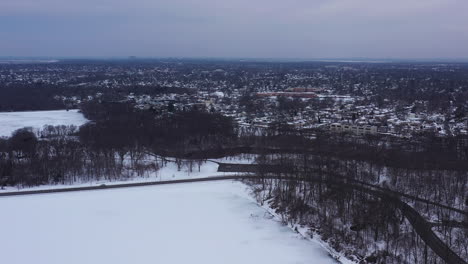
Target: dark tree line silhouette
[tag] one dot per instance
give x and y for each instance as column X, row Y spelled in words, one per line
column 43, row 96
column 114, row 145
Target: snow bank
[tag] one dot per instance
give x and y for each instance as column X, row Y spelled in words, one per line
column 185, row 223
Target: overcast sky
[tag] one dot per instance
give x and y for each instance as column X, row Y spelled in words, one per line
column 235, row 28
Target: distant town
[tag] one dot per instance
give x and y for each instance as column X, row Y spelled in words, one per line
column 392, row 99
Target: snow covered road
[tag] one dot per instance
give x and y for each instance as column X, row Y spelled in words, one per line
column 211, row 222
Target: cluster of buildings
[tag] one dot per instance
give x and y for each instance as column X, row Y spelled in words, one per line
column 330, row 96
column 356, row 129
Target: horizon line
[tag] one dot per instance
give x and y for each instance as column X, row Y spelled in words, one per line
column 251, row 59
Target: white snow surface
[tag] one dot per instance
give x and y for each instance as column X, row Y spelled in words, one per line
column 206, row 223
column 11, row 121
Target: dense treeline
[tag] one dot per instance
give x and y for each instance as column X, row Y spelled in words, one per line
column 29, row 97
column 122, row 125
column 42, row 96
column 424, row 152
column 117, row 144
column 361, row 225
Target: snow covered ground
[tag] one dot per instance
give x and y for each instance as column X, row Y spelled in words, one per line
column 166, row 173
column 185, row 223
column 11, row 121
column 171, row 171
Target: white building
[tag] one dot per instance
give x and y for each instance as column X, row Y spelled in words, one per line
column 359, row 130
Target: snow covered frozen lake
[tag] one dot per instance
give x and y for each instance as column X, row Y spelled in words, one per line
column 206, row 223
column 11, row 121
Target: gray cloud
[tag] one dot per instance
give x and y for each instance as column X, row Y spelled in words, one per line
column 241, row 28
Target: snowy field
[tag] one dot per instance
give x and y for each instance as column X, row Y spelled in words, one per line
column 11, row 121
column 206, row 223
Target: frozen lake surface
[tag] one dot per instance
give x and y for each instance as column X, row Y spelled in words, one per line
column 206, row 223
column 11, row 121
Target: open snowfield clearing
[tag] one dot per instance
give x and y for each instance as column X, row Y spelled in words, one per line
column 11, row 121
column 206, row 223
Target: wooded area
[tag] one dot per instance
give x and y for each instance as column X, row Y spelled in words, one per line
column 121, row 142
